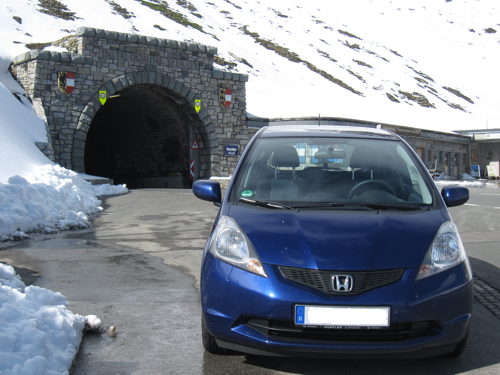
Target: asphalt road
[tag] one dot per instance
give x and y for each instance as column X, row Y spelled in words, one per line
column 478, row 222
column 137, row 268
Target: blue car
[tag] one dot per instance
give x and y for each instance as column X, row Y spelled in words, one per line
column 334, row 241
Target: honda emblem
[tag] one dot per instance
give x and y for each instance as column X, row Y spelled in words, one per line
column 342, row 283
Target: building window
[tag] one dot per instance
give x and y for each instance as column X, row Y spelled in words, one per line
column 429, row 155
column 440, row 156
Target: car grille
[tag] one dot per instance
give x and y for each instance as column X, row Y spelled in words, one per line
column 396, row 332
column 322, row 280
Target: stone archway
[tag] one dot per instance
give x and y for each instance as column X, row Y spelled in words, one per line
column 142, row 135
column 106, row 60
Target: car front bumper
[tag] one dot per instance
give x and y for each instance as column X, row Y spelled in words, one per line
column 255, row 315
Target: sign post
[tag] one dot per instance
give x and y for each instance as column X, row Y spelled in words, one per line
column 194, row 160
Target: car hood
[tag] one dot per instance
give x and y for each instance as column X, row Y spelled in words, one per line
column 339, row 239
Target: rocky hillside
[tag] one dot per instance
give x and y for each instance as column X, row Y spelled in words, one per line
column 371, row 59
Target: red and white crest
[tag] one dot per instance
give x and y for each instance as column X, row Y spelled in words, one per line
column 226, row 97
column 66, row 82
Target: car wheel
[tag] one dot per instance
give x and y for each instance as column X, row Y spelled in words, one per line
column 208, row 340
column 459, row 349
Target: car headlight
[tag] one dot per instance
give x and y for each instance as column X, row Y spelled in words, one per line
column 231, row 245
column 446, row 252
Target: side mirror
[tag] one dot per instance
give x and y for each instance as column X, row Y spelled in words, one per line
column 208, row 191
column 454, row 195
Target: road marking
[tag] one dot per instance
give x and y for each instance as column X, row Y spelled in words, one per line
column 479, row 205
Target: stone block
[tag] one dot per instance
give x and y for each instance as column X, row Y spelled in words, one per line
column 151, row 78
column 218, row 74
column 151, row 41
column 171, row 84
column 111, row 35
column 86, row 31
column 184, row 91
column 117, row 84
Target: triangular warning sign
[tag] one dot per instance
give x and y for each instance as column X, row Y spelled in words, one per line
column 195, row 145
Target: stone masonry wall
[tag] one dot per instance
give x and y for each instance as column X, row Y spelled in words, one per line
column 111, row 61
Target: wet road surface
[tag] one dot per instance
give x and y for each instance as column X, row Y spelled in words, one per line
column 137, row 268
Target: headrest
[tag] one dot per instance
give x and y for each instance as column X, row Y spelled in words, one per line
column 364, row 157
column 285, row 156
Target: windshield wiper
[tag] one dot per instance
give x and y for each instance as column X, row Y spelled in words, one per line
column 329, row 206
column 362, row 206
column 391, row 206
column 268, row 204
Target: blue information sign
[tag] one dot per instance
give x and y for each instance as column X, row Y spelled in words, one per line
column 231, row 150
column 476, row 171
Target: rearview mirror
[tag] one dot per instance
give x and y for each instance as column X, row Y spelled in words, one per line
column 208, row 191
column 455, row 195
column 327, row 155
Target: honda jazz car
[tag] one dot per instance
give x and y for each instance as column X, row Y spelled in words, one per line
column 333, row 241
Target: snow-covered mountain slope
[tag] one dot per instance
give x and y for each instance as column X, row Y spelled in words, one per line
column 427, row 63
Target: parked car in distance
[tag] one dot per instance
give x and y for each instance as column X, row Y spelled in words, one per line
column 334, row 241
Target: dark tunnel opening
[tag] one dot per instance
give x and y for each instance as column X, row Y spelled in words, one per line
column 141, row 137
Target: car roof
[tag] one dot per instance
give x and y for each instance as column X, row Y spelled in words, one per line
column 326, row 131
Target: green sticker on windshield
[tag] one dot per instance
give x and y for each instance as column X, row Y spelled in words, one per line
column 247, row 193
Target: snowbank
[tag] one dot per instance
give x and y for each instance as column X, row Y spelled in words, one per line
column 35, row 193
column 38, row 334
column 466, row 183
column 107, row 189
column 50, row 199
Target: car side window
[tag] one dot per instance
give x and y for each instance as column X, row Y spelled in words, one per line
column 419, row 187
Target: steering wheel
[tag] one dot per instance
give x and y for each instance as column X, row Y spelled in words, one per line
column 380, row 184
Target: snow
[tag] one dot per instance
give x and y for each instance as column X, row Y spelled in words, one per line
column 447, row 41
column 35, row 193
column 398, row 42
column 467, row 184
column 38, row 334
column 49, row 199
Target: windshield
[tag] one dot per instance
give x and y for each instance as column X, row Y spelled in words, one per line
column 309, row 172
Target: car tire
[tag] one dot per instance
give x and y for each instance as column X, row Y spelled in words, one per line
column 208, row 340
column 459, row 349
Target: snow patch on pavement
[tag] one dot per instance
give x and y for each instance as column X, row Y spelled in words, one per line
column 38, row 334
column 50, row 199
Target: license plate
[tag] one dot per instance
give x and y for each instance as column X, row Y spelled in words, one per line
column 342, row 316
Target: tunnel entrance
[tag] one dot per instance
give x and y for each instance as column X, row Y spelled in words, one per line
column 142, row 137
